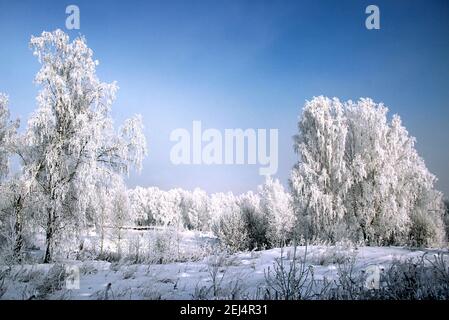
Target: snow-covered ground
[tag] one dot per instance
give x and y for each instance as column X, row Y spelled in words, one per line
column 218, row 275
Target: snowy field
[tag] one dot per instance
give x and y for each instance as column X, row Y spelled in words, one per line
column 204, row 271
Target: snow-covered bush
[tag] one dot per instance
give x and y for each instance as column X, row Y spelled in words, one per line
column 52, row 281
column 422, row 278
column 276, row 208
column 255, row 221
column 360, row 177
column 417, row 279
column 164, row 247
column 238, row 222
column 332, row 254
column 228, row 223
column 426, row 229
column 289, row 279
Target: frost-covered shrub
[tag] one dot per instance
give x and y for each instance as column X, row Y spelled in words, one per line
column 254, row 220
column 129, row 272
column 228, row 224
column 135, row 251
column 426, row 230
column 421, row 278
column 164, row 246
column 53, row 280
column 109, row 256
column 26, row 275
column 417, row 279
column 336, row 254
column 277, row 212
column 88, row 268
column 289, row 279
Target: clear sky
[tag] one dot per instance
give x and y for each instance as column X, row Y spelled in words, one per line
column 245, row 64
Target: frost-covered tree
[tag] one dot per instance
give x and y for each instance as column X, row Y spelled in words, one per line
column 200, row 210
column 103, row 210
column 170, row 208
column 103, row 201
column 446, row 218
column 194, row 209
column 138, row 198
column 8, row 130
column 71, row 134
column 14, row 215
column 11, row 198
column 360, row 177
column 146, row 205
column 152, row 206
column 391, row 190
column 120, row 215
column 276, row 206
column 320, row 179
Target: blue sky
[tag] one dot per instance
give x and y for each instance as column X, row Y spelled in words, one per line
column 245, row 64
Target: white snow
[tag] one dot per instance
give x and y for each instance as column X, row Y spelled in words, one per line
column 187, row 280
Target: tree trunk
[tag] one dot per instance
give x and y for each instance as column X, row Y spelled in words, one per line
column 101, row 240
column 49, row 237
column 18, row 228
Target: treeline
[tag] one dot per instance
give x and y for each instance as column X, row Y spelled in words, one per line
column 253, row 220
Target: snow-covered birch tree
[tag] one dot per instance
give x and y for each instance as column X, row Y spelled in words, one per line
column 11, row 197
column 359, row 176
column 8, row 130
column 120, row 215
column 320, row 179
column 71, row 134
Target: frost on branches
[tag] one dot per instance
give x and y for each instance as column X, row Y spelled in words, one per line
column 276, row 206
column 11, row 201
column 71, row 136
column 7, row 133
column 360, row 177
